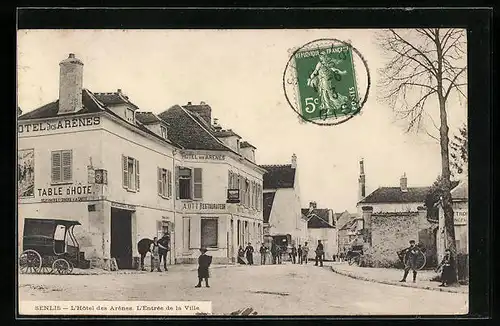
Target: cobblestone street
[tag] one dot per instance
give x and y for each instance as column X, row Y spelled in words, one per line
column 288, row 290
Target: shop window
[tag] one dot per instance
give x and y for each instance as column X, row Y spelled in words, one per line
column 62, row 166
column 209, row 230
column 130, row 177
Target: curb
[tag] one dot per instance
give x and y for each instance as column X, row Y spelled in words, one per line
column 396, row 283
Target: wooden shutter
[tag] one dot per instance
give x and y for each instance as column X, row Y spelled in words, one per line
column 195, row 232
column 56, row 167
column 177, row 188
column 125, row 171
column 137, row 178
column 67, row 165
column 229, row 180
column 198, row 186
column 160, row 183
column 169, row 182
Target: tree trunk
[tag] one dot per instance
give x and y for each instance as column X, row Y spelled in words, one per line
column 449, row 223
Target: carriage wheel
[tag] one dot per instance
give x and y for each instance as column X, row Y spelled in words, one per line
column 61, row 266
column 421, row 260
column 30, row 261
column 70, row 267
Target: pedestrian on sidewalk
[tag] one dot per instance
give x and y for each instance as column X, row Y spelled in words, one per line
column 164, row 248
column 241, row 255
column 299, row 254
column 319, row 254
column 263, row 251
column 305, row 252
column 204, row 262
column 155, row 255
column 294, row 254
column 410, row 255
column 274, row 252
column 249, row 253
column 447, row 266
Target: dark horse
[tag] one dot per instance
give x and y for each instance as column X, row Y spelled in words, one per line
column 144, row 246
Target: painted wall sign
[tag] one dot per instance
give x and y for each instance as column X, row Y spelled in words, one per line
column 68, row 190
column 460, row 216
column 60, row 124
column 26, row 173
column 197, row 156
column 67, row 199
column 201, row 206
column 122, row 206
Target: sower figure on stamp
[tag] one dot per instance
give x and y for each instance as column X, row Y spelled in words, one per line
column 263, row 251
column 410, row 255
column 249, row 253
column 319, row 254
column 164, row 248
column 155, row 255
column 299, row 254
column 204, row 262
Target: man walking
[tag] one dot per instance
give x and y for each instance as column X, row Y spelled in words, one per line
column 249, row 253
column 299, row 254
column 319, row 254
column 294, row 254
column 410, row 255
column 305, row 252
column 263, row 251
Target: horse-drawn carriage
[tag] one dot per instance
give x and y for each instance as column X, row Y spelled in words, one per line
column 354, row 254
column 49, row 246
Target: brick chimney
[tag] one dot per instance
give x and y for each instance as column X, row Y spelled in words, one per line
column 70, row 85
column 403, row 182
column 216, row 125
column 204, row 110
column 294, row 161
column 362, row 181
column 313, row 205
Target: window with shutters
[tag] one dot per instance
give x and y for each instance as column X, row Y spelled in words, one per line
column 209, row 232
column 131, row 180
column 198, row 186
column 185, row 181
column 62, row 166
column 247, row 193
column 164, row 183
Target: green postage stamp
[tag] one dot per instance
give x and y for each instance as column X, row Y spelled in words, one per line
column 326, row 82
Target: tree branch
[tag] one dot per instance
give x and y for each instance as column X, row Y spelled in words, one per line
column 452, row 83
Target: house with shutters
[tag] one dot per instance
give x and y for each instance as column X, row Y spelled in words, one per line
column 283, row 220
column 346, row 230
column 125, row 174
column 321, row 226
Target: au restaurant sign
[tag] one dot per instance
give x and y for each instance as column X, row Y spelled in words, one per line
column 203, row 206
column 69, row 123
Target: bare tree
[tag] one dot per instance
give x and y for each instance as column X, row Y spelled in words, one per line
column 425, row 67
column 459, row 151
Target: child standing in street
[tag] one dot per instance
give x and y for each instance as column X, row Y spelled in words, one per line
column 204, row 262
column 155, row 255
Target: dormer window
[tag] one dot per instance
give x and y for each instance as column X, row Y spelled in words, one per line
column 163, row 132
column 129, row 115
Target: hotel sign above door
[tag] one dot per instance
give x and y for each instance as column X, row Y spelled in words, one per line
column 201, row 156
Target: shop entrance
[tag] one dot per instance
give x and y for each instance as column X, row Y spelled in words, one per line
column 121, row 237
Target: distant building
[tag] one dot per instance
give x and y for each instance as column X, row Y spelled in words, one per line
column 283, row 220
column 346, row 230
column 321, row 226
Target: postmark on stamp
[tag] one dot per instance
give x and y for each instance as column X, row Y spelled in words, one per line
column 321, row 84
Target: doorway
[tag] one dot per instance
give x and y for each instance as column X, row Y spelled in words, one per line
column 121, row 237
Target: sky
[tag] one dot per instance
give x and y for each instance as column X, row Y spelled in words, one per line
column 239, row 74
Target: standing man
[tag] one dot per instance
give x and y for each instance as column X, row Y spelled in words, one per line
column 305, row 252
column 274, row 251
column 204, row 262
column 263, row 251
column 155, row 255
column 319, row 254
column 249, row 253
column 294, row 254
column 299, row 254
column 164, row 248
column 410, row 256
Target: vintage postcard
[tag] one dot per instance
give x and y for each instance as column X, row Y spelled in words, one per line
column 242, row 172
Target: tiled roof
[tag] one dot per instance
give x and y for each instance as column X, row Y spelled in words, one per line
column 461, row 191
column 278, row 176
column 203, row 110
column 226, row 133
column 395, row 195
column 115, row 98
column 245, row 144
column 147, row 118
column 349, row 225
column 344, row 219
column 50, row 110
column 268, row 205
column 318, row 218
column 185, row 131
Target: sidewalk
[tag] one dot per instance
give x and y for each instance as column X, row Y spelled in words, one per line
column 392, row 276
column 171, row 268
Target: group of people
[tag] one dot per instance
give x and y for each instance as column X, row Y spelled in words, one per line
column 159, row 249
column 246, row 253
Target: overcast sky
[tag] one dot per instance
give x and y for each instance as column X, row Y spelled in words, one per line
column 239, row 74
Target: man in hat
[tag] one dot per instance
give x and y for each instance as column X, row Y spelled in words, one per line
column 410, row 256
column 155, row 255
column 164, row 248
column 319, row 254
column 204, row 262
column 249, row 253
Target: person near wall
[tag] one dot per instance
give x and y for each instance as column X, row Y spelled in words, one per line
column 241, row 255
column 279, row 254
column 410, row 255
column 299, row 254
column 263, row 252
column 293, row 253
column 274, row 252
column 305, row 252
column 319, row 254
column 204, row 262
column 447, row 267
column 164, row 248
column 249, row 253
column 155, row 255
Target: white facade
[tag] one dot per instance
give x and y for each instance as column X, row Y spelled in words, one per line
column 328, row 237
